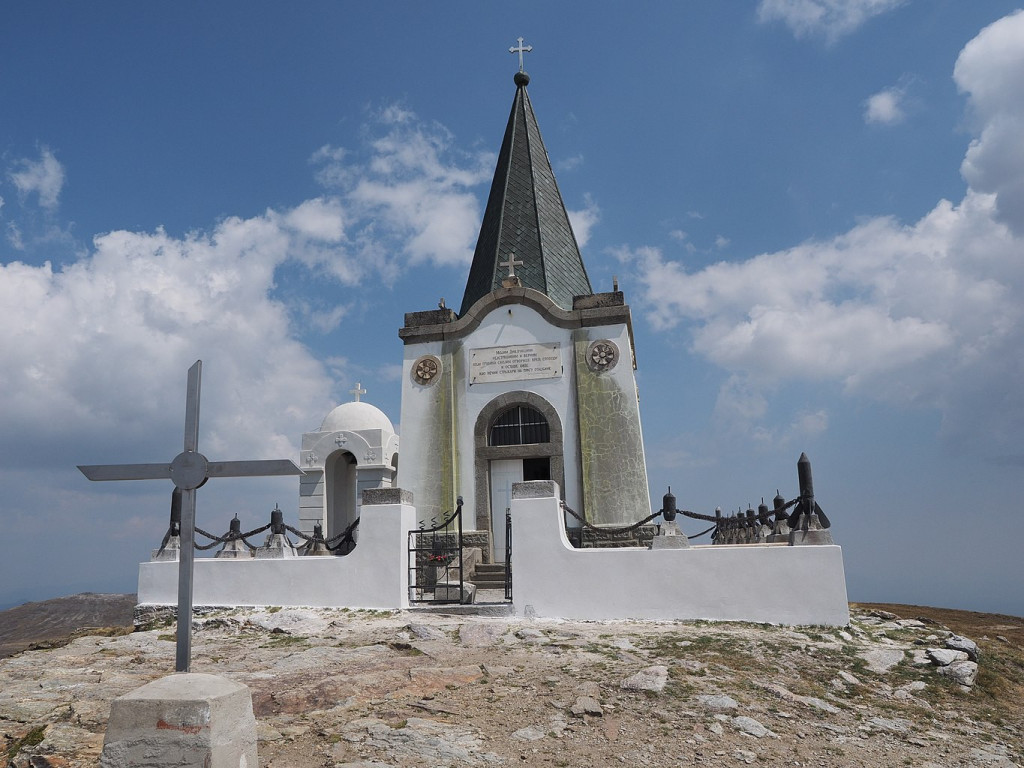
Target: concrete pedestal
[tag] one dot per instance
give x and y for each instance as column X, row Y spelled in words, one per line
column 670, row 537
column 276, row 547
column 813, row 534
column 182, row 720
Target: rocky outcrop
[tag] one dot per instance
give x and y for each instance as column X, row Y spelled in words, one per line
column 358, row 689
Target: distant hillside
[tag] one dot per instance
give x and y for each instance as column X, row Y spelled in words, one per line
column 50, row 621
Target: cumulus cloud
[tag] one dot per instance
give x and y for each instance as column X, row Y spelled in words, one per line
column 922, row 314
column 95, row 351
column 829, row 19
column 885, row 107
column 43, row 177
column 570, row 164
column 133, row 317
column 583, row 220
column 989, row 71
column 415, row 195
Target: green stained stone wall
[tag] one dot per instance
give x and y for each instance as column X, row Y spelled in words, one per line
column 611, row 443
column 438, row 455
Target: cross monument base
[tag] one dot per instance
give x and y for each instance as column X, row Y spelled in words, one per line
column 182, row 720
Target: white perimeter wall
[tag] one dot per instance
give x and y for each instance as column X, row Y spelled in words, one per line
column 374, row 575
column 759, row 583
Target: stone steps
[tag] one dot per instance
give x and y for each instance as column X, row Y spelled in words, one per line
column 489, row 576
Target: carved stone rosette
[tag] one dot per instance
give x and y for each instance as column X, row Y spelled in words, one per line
column 426, row 370
column 602, row 356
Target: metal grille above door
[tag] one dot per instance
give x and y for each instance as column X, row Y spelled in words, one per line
column 519, row 425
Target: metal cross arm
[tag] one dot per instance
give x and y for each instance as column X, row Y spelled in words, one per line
column 188, row 471
column 264, row 468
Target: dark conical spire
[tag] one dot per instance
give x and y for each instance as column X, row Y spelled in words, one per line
column 526, row 218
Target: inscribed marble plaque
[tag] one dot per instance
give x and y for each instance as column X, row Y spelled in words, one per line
column 515, row 363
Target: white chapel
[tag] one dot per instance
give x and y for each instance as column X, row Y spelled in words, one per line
column 522, row 407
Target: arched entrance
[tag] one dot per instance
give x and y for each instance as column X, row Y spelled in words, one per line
column 342, row 505
column 518, row 437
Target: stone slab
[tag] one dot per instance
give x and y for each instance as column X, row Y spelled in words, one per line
column 182, row 720
column 377, row 496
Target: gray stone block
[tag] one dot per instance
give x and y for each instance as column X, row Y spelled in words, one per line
column 450, row 591
column 378, row 496
column 534, row 489
column 183, row 720
column 598, row 300
column 429, row 317
column 670, row 537
column 812, row 537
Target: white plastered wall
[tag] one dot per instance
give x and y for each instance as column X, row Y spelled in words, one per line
column 510, row 324
column 374, row 575
column 776, row 584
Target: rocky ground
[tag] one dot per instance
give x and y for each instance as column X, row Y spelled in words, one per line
column 360, row 689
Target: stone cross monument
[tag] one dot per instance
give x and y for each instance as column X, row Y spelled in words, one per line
column 188, row 471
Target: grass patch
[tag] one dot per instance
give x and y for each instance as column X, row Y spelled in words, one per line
column 602, row 650
column 30, row 739
column 405, row 649
column 286, row 641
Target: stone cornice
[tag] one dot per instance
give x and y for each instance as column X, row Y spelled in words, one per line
column 588, row 311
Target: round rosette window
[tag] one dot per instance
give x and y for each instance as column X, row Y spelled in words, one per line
column 602, row 356
column 426, row 370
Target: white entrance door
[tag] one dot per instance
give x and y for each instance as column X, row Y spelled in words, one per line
column 504, row 472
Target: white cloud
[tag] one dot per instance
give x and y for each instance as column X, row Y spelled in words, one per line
column 923, row 314
column 14, row 236
column 570, row 163
column 323, row 320
column 413, row 200
column 44, row 177
column 989, row 71
column 392, row 372
column 97, row 351
column 875, row 309
column 885, row 107
column 830, row 19
column 584, row 220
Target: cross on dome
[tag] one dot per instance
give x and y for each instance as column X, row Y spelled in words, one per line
column 520, row 49
column 357, row 392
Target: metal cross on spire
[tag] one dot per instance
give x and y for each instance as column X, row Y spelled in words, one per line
column 358, row 391
column 189, row 470
column 520, row 49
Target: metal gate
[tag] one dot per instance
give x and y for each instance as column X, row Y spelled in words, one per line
column 435, row 561
column 508, row 554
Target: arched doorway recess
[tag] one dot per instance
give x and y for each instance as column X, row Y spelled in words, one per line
column 518, row 436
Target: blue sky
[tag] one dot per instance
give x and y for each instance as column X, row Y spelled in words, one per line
column 815, row 208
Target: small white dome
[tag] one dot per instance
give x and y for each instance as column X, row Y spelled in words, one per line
column 356, row 416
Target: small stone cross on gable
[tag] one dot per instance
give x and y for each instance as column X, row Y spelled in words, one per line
column 512, row 263
column 188, row 471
